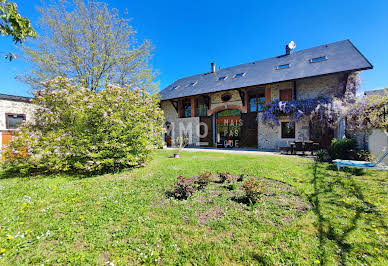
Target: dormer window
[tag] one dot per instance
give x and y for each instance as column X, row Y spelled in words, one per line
column 318, row 59
column 279, row 67
column 222, row 78
column 239, row 75
column 173, row 88
column 192, row 84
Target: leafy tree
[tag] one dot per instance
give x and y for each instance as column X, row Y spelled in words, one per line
column 90, row 43
column 13, row 24
column 78, row 130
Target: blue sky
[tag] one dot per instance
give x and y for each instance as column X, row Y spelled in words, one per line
column 188, row 35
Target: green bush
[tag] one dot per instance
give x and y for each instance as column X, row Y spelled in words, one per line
column 254, row 189
column 345, row 149
column 203, row 179
column 223, row 177
column 322, row 156
column 184, row 187
column 364, row 155
column 79, row 130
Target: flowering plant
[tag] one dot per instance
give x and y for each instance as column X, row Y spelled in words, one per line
column 367, row 113
column 327, row 110
column 76, row 129
column 322, row 107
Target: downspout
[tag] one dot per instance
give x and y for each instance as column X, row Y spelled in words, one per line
column 214, row 129
column 294, row 89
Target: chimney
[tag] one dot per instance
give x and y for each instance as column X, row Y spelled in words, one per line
column 288, row 50
column 289, row 47
column 213, row 67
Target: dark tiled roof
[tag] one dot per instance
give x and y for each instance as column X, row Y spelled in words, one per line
column 341, row 56
column 15, row 98
column 382, row 92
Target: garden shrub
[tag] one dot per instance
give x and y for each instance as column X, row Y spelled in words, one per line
column 240, row 178
column 203, row 179
column 322, row 156
column 79, row 130
column 254, row 189
column 184, row 187
column 364, row 155
column 223, row 177
column 345, row 149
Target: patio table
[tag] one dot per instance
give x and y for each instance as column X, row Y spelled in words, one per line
column 315, row 146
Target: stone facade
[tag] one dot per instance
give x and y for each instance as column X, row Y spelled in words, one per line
column 216, row 98
column 328, row 86
column 268, row 138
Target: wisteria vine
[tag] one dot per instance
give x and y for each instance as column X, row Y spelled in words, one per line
column 324, row 108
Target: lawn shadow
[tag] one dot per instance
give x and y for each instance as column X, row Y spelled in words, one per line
column 241, row 199
column 350, row 170
column 329, row 228
column 69, row 174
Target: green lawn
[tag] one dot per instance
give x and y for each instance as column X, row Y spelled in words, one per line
column 317, row 215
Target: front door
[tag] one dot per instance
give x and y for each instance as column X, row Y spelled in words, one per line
column 228, row 128
column 322, row 134
column 249, row 130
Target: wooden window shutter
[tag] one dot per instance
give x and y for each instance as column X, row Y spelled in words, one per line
column 267, row 95
column 285, row 95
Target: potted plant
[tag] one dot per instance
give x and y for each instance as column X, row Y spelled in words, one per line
column 180, row 143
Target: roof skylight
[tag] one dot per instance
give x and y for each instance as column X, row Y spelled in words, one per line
column 283, row 66
column 192, row 84
column 239, row 75
column 174, row 87
column 222, row 78
column 318, row 59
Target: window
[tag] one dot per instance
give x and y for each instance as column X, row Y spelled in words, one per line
column 186, row 108
column 202, row 105
column 288, row 130
column 222, row 78
column 173, row 88
column 239, row 75
column 285, row 95
column 318, row 59
column 192, row 84
column 14, row 120
column 226, row 97
column 256, row 103
column 283, row 66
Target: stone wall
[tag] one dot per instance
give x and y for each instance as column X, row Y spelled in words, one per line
column 271, row 139
column 276, row 87
column 216, row 98
column 328, row 86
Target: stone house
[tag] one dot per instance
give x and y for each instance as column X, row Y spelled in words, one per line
column 224, row 107
column 14, row 110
